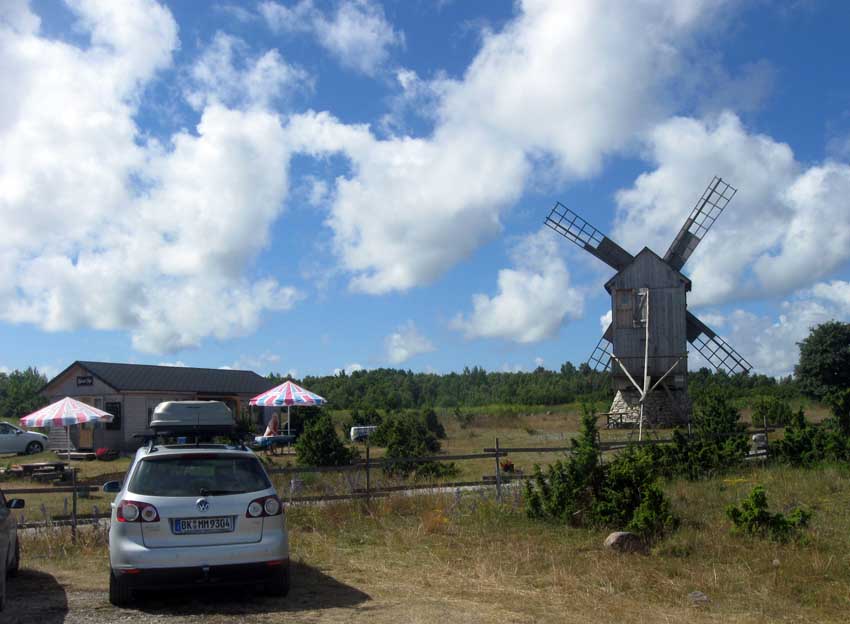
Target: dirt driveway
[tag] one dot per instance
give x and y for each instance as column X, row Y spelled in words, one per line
column 40, row 598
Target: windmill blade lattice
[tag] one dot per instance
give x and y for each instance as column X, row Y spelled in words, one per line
column 714, row 349
column 600, row 359
column 574, row 228
column 713, row 201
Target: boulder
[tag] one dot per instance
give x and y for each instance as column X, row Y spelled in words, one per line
column 623, row 541
column 698, row 598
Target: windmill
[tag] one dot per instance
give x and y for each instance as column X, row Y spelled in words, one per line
column 650, row 323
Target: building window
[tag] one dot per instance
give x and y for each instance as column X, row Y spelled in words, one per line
column 624, row 301
column 114, row 408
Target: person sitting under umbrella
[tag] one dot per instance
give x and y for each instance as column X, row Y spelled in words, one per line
column 272, row 427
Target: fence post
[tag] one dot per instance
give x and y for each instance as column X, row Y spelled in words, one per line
column 74, row 505
column 368, row 495
column 766, row 442
column 498, row 474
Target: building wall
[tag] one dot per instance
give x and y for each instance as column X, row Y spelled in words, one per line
column 70, row 385
column 667, row 322
column 136, row 408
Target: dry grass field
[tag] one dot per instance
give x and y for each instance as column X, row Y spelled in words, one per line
column 466, row 559
column 527, row 427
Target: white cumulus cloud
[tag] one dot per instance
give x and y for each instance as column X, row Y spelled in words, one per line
column 221, row 76
column 106, row 228
column 357, row 34
column 405, row 343
column 769, row 340
column 348, row 369
column 787, row 227
column 415, row 206
column 533, row 301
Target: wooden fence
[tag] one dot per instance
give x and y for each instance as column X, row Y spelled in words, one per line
column 497, row 479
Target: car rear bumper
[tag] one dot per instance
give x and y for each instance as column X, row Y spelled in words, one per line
column 126, row 552
column 195, row 576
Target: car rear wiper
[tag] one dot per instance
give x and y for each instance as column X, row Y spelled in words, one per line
column 206, row 492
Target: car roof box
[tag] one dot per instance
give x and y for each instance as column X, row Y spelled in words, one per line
column 186, row 417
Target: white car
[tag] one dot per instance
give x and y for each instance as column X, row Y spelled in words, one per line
column 193, row 514
column 15, row 440
column 10, row 547
column 361, row 433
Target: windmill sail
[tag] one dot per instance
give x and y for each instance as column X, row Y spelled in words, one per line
column 714, row 349
column 715, row 198
column 600, row 359
column 572, row 227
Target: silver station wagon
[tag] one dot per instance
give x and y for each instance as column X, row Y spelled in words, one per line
column 194, row 514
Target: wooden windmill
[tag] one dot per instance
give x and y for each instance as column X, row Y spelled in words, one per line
column 645, row 346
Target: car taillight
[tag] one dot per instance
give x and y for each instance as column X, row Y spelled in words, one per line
column 134, row 511
column 265, row 506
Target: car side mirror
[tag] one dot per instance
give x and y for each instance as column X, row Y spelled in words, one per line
column 16, row 503
column 18, row 432
column 112, row 487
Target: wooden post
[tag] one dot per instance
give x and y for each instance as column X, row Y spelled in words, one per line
column 368, row 496
column 766, row 445
column 74, row 505
column 498, row 474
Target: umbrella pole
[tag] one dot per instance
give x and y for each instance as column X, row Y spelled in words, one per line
column 287, row 420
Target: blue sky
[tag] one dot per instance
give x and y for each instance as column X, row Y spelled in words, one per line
column 306, row 185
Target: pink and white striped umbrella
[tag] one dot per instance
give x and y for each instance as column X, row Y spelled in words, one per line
column 287, row 393
column 64, row 413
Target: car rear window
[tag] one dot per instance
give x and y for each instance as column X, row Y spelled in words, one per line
column 198, row 475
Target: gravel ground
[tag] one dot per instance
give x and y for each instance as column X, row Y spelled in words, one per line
column 39, row 598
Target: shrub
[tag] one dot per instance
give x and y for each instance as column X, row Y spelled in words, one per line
column 718, row 441
column 770, row 411
column 320, row 445
column 653, row 517
column 631, row 496
column 804, row 444
column 565, row 493
column 464, row 419
column 752, row 518
column 433, row 424
column 800, row 445
column 407, row 436
column 624, row 494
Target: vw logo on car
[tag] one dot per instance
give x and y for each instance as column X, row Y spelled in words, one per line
column 203, row 505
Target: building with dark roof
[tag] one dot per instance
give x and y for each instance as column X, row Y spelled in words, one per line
column 130, row 392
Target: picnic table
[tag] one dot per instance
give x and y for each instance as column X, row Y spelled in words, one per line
column 273, row 444
column 27, row 470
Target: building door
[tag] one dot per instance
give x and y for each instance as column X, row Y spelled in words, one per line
column 86, row 437
column 86, row 432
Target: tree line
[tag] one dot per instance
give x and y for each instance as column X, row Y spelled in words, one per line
column 393, row 389
column 822, row 373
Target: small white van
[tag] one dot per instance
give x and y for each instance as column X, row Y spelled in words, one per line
column 361, row 433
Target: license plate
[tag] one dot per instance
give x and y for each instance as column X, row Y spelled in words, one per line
column 188, row 526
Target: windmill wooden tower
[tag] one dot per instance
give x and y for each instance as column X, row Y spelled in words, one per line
column 645, row 346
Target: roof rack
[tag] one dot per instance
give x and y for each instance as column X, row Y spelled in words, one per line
column 152, row 440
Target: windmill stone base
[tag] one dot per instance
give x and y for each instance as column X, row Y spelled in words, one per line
column 660, row 409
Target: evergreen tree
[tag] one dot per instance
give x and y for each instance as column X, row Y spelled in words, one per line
column 320, row 445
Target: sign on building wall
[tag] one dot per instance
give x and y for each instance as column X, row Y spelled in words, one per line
column 85, row 380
